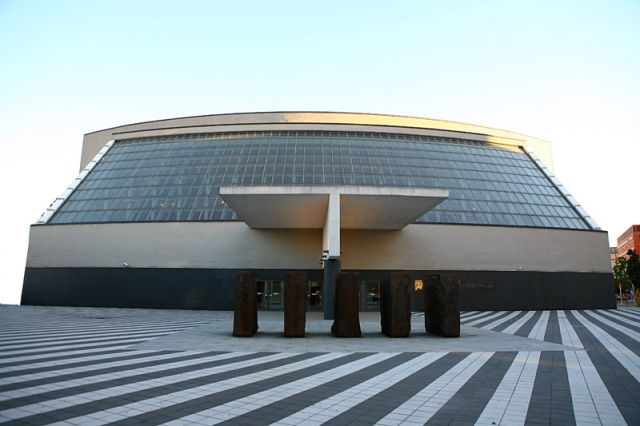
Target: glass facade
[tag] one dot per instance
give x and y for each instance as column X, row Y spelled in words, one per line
column 176, row 178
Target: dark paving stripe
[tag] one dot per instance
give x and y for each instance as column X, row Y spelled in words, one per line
column 384, row 402
column 482, row 315
column 74, row 348
column 77, row 375
column 633, row 316
column 633, row 345
column 71, row 343
column 623, row 387
column 286, row 407
column 528, row 326
column 59, row 358
column 622, row 320
column 187, row 408
column 468, row 403
column 66, row 337
column 75, row 390
column 102, row 326
column 489, row 321
column 635, row 312
column 632, row 320
column 511, row 321
column 77, row 331
column 553, row 329
column 551, row 401
column 95, row 362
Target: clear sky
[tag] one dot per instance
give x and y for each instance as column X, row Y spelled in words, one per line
column 566, row 71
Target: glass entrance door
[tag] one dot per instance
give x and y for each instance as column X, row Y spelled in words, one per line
column 314, row 295
column 370, row 296
column 270, row 295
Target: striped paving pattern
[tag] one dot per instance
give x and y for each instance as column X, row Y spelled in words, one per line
column 80, row 366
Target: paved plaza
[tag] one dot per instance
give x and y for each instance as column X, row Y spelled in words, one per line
column 93, row 366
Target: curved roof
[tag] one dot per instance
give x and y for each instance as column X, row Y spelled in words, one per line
column 310, row 120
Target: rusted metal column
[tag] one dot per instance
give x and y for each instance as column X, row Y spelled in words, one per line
column 346, row 304
column 295, row 304
column 395, row 305
column 442, row 306
column 245, row 313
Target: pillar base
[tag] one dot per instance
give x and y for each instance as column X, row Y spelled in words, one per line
column 331, row 270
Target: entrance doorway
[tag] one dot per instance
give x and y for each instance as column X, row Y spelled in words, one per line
column 369, row 296
column 270, row 295
column 314, row 295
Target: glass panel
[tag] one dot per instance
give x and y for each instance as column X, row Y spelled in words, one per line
column 176, row 178
column 314, row 295
column 270, row 295
column 370, row 296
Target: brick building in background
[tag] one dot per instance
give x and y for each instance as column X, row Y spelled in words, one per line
column 629, row 239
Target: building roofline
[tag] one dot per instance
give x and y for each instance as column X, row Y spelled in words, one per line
column 313, row 121
column 488, row 130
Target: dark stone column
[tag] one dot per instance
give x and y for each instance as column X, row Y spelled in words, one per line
column 331, row 270
column 295, row 303
column 347, row 320
column 395, row 305
column 442, row 306
column 245, row 314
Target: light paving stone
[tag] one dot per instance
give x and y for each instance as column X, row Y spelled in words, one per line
column 626, row 330
column 624, row 355
column 484, row 318
column 589, row 394
column 502, row 320
column 511, row 329
column 513, row 393
column 128, row 373
column 331, row 407
column 29, row 332
column 224, row 385
column 436, row 394
column 539, row 329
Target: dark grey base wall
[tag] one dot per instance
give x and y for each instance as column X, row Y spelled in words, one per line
column 214, row 289
column 162, row 288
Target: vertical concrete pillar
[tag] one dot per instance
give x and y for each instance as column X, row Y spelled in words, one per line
column 245, row 313
column 331, row 253
column 295, row 304
column 442, row 306
column 347, row 320
column 331, row 270
column 331, row 230
column 395, row 305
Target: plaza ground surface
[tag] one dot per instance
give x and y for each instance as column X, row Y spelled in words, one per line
column 90, row 366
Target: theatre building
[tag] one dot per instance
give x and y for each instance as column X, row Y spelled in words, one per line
column 164, row 214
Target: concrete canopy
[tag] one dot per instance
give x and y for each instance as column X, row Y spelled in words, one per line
column 360, row 207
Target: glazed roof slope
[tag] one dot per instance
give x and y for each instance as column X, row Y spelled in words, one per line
column 176, row 177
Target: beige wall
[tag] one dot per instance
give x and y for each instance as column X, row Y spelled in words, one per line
column 483, row 248
column 329, row 121
column 172, row 245
column 234, row 245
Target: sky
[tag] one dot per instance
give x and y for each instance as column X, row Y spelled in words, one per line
column 564, row 71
